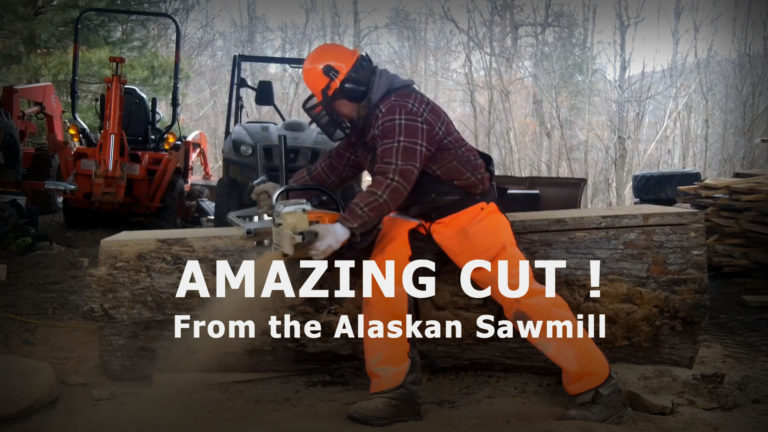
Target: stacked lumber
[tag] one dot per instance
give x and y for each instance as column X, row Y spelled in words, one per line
column 736, row 221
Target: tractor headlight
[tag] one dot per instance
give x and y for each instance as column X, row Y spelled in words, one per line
column 74, row 132
column 245, row 150
column 170, row 140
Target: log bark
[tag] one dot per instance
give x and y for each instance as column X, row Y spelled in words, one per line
column 653, row 288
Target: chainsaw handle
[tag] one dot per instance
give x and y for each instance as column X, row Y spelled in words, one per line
column 233, row 217
column 295, row 188
column 260, row 181
column 308, row 236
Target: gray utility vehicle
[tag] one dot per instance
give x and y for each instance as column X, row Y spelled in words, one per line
column 254, row 148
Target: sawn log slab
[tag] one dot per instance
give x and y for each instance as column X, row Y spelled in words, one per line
column 653, row 293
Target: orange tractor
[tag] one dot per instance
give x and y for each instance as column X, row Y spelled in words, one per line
column 131, row 166
column 25, row 168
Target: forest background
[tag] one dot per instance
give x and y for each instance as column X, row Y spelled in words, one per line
column 581, row 88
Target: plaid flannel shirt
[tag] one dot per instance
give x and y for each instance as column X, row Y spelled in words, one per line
column 405, row 134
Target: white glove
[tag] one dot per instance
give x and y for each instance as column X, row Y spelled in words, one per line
column 330, row 237
column 263, row 194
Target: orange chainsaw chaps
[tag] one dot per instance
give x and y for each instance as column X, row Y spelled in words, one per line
column 386, row 359
column 478, row 232
column 483, row 232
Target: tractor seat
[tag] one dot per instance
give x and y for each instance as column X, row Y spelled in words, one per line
column 136, row 119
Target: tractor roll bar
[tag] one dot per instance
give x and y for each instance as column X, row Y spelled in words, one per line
column 74, row 95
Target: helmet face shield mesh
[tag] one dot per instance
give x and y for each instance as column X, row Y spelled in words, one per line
column 323, row 115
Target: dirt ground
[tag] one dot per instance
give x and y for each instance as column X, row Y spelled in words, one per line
column 726, row 390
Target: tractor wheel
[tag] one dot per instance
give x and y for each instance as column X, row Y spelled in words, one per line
column 197, row 206
column 77, row 218
column 167, row 216
column 47, row 202
column 45, row 167
column 228, row 192
column 197, row 193
column 660, row 187
column 10, row 167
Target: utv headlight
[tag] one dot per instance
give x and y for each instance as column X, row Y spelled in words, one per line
column 245, row 150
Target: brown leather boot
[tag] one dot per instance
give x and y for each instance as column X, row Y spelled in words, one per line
column 603, row 404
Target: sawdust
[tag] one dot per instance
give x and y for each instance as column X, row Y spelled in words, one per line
column 206, row 353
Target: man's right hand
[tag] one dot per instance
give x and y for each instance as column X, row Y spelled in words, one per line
column 263, row 194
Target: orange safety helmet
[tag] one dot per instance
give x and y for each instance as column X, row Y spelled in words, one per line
column 326, row 66
column 332, row 72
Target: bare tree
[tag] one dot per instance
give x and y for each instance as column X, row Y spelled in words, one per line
column 703, row 62
column 589, row 18
column 526, row 81
column 626, row 21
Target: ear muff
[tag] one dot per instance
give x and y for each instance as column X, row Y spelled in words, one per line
column 352, row 91
column 354, row 86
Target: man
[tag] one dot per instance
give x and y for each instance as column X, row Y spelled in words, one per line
column 432, row 195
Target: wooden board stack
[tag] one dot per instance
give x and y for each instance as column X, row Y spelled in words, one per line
column 736, row 220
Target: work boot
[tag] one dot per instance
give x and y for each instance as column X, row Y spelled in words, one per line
column 400, row 404
column 381, row 410
column 604, row 404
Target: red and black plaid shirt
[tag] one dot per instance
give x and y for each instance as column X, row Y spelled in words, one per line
column 407, row 133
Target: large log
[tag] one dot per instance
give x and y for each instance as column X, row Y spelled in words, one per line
column 653, row 293
column 653, row 274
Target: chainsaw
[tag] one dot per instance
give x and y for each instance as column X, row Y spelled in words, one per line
column 291, row 219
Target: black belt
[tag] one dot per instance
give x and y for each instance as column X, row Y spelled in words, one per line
column 432, row 198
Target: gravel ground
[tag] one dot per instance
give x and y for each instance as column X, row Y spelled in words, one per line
column 727, row 389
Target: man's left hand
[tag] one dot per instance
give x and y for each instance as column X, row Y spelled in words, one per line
column 330, row 237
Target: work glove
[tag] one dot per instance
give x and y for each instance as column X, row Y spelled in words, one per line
column 263, row 194
column 330, row 237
